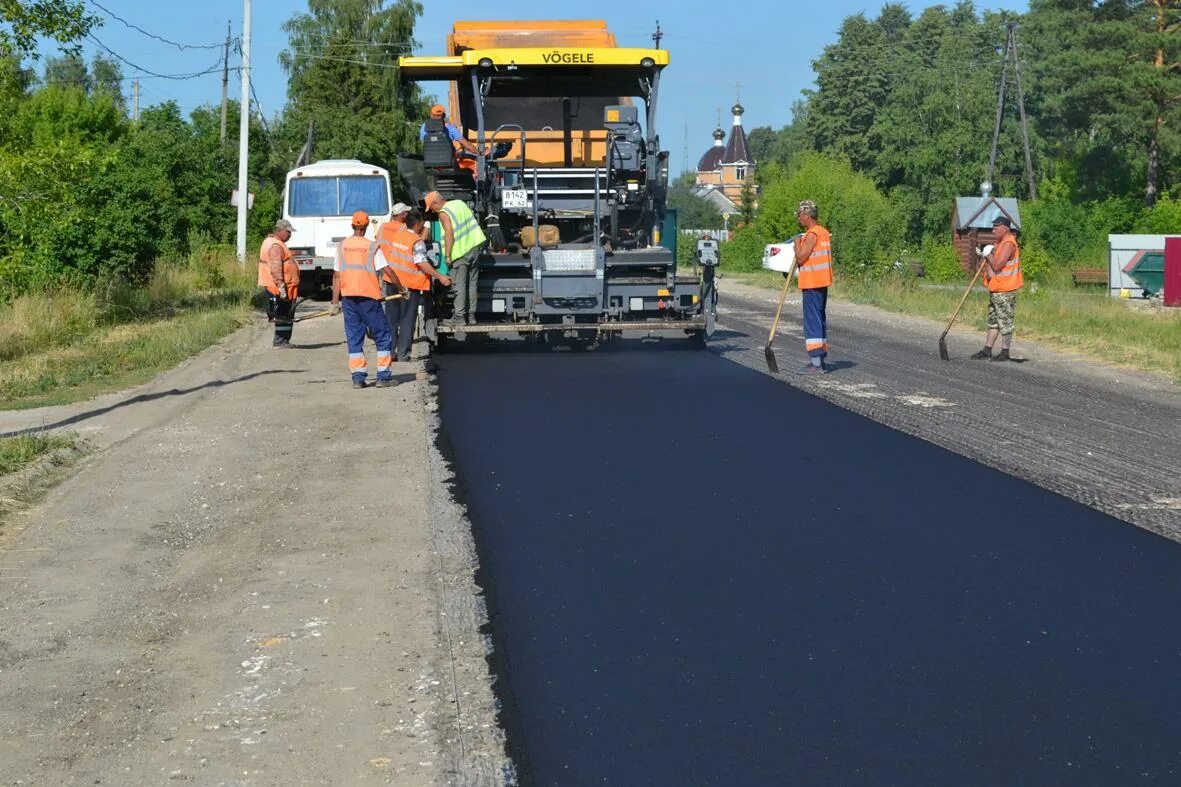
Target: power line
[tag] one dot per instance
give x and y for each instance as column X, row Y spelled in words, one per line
column 193, row 75
column 139, row 29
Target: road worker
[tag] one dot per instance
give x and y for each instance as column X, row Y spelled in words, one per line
column 1002, row 274
column 463, row 241
column 278, row 274
column 438, row 121
column 405, row 258
column 356, row 286
column 813, row 251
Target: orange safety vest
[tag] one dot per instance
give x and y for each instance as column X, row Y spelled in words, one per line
column 290, row 268
column 358, row 276
column 399, row 253
column 816, row 271
column 1009, row 278
column 385, row 234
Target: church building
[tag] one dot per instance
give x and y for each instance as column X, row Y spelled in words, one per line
column 726, row 167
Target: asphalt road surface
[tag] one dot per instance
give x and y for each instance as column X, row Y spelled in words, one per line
column 700, row 575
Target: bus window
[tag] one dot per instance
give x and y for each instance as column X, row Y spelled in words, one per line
column 337, row 196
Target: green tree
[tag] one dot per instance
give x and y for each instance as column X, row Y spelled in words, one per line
column 23, row 21
column 693, row 212
column 68, row 71
column 341, row 64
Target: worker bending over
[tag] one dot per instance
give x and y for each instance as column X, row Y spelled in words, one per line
column 814, row 265
column 278, row 274
column 356, row 286
column 1002, row 274
column 463, row 241
column 406, row 260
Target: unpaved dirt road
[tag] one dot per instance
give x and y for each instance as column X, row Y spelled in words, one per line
column 257, row 579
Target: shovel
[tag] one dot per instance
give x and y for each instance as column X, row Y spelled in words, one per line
column 328, row 313
column 943, row 336
column 772, row 364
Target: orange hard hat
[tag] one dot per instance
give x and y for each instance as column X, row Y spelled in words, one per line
column 432, row 198
column 438, row 109
column 360, row 219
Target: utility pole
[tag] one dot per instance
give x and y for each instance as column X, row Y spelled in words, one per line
column 135, row 102
column 244, row 135
column 1021, row 109
column 1011, row 51
column 225, row 84
column 658, row 36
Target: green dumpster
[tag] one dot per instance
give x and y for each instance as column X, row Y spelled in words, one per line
column 1148, row 270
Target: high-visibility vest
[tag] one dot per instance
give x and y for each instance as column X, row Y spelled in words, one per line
column 385, row 234
column 358, row 276
column 290, row 269
column 399, row 253
column 816, row 271
column 1009, row 278
column 465, row 229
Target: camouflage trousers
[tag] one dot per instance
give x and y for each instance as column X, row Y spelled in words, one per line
column 1001, row 306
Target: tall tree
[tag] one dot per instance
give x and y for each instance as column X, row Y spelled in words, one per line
column 342, row 67
column 23, row 21
column 68, row 71
column 106, row 78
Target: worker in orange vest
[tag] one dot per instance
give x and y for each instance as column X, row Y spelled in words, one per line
column 278, row 274
column 356, row 285
column 814, row 265
column 407, row 270
column 1002, row 274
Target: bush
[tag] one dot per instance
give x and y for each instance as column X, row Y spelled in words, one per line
column 744, row 250
column 866, row 231
column 941, row 262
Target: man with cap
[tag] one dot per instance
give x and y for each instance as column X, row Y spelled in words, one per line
column 278, row 275
column 438, row 113
column 814, row 268
column 356, row 285
column 463, row 241
column 405, row 258
column 1002, row 275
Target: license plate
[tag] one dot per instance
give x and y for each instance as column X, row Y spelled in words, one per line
column 514, row 199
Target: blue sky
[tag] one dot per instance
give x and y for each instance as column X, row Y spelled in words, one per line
column 766, row 45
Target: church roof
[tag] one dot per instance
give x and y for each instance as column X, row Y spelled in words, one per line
column 712, row 160
column 737, row 150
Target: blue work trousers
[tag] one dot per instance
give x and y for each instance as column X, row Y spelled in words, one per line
column 816, row 322
column 361, row 314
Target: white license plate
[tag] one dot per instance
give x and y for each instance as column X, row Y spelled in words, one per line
column 514, row 199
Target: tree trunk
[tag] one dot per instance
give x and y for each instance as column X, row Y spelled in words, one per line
column 1153, row 164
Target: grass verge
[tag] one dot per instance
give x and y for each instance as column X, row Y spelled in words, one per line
column 31, row 465
column 67, row 346
column 1133, row 335
column 17, row 453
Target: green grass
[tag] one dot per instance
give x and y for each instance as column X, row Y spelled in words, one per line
column 1075, row 319
column 67, row 346
column 17, row 453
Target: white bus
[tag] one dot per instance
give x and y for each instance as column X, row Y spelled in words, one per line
column 319, row 201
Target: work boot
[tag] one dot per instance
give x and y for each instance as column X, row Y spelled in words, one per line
column 810, row 369
column 983, row 355
column 358, row 384
column 1003, row 355
column 389, row 383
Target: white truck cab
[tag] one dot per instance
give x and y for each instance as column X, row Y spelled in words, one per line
column 319, row 200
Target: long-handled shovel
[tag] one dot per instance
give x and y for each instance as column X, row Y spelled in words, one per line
column 328, row 313
column 772, row 364
column 943, row 336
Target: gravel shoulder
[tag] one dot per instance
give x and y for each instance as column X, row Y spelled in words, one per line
column 1109, row 438
column 258, row 577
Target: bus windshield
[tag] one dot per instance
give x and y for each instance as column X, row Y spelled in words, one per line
column 337, row 196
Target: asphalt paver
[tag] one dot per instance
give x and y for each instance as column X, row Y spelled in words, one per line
column 699, row 575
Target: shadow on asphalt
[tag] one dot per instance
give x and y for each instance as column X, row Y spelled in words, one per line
column 74, row 419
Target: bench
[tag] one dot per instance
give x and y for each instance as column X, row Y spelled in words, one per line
column 1088, row 276
column 914, row 268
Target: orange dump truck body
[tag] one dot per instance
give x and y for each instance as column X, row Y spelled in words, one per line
column 545, row 147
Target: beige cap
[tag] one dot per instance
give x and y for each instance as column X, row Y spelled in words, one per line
column 399, row 207
column 284, row 224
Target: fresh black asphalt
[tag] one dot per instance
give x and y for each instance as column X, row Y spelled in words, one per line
column 700, row 575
